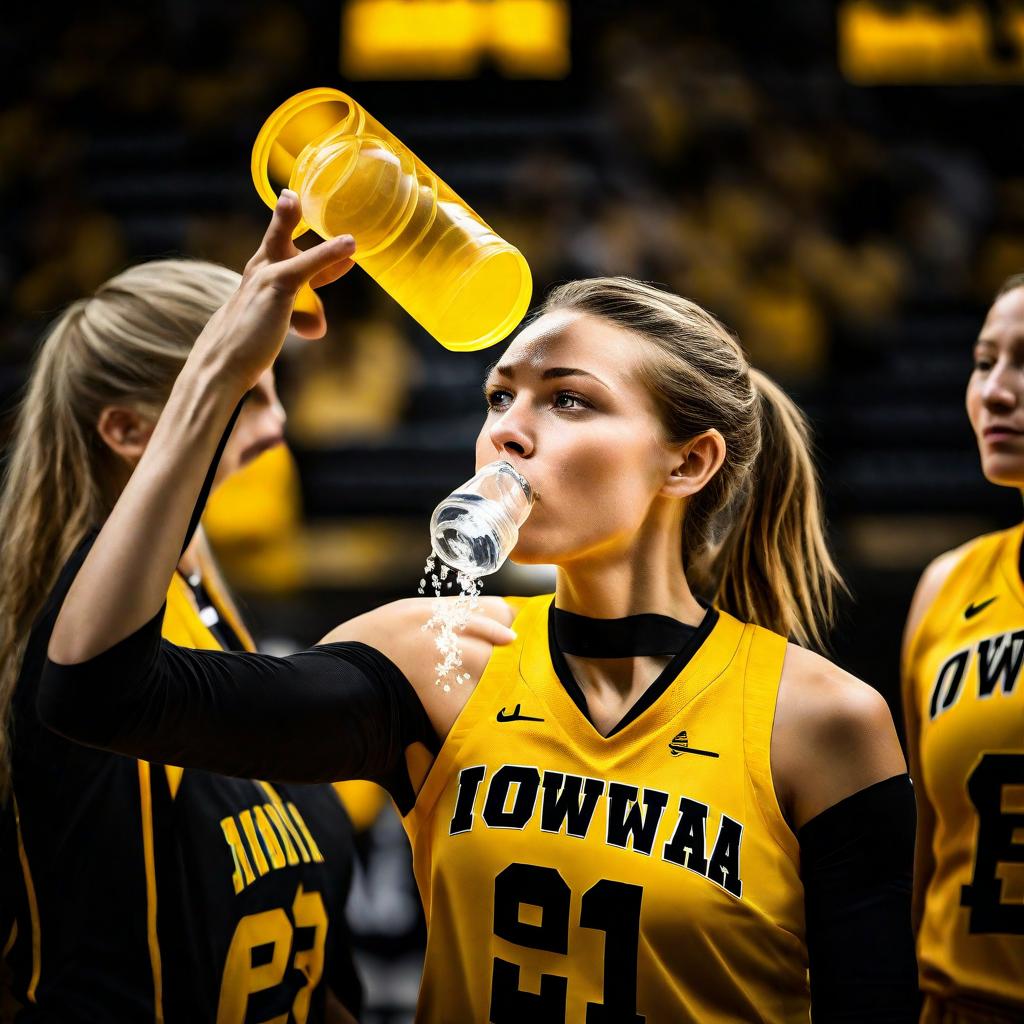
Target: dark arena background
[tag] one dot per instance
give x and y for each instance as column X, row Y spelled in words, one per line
column 842, row 184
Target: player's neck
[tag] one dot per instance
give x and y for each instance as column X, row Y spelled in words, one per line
column 612, row 686
column 647, row 577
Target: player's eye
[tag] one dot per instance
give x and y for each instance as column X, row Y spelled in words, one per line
column 570, row 400
column 497, row 398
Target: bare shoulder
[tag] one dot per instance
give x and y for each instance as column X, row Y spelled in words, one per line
column 825, row 701
column 833, row 736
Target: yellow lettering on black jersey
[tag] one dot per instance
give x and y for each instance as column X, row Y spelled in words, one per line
column 266, row 837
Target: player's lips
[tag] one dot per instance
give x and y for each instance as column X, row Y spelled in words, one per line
column 260, row 447
column 526, row 477
column 1001, row 432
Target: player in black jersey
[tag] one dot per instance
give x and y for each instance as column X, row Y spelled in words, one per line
column 133, row 891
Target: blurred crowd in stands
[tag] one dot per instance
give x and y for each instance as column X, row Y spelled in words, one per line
column 717, row 151
column 789, row 221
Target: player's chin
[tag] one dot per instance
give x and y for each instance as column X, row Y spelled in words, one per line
column 525, row 556
column 533, row 548
column 548, row 549
column 1003, row 468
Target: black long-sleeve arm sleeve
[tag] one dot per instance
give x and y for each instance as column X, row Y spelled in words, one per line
column 857, row 861
column 336, row 711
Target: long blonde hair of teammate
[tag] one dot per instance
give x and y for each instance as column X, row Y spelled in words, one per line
column 754, row 537
column 125, row 345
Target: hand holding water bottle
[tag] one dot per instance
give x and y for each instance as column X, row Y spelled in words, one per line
column 245, row 335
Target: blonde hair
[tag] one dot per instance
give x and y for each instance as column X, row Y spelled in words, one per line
column 754, row 536
column 124, row 345
column 1012, row 283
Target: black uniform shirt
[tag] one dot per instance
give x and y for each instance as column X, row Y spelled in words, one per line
column 130, row 891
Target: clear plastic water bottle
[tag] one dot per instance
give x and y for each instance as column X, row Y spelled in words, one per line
column 476, row 527
column 422, row 243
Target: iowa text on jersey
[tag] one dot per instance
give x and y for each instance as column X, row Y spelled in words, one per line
column 632, row 816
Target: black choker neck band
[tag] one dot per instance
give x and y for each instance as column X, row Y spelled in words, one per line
column 635, row 636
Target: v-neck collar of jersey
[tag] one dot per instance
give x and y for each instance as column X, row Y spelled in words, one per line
column 541, row 652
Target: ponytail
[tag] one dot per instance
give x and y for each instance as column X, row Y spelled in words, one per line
column 773, row 566
column 49, row 500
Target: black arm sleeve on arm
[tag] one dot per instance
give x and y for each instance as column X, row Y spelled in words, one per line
column 337, row 711
column 857, row 861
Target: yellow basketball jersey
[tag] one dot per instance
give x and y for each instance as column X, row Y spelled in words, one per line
column 648, row 876
column 963, row 667
column 182, row 625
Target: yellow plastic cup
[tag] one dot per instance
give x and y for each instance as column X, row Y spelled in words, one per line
column 414, row 236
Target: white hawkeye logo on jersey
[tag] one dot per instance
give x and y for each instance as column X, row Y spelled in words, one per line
column 999, row 659
column 633, row 818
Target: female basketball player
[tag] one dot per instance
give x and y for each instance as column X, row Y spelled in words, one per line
column 962, row 702
column 142, row 893
column 642, row 808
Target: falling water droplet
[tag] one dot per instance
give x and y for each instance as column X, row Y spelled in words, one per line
column 448, row 618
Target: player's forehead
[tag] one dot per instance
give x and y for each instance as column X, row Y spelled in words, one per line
column 570, row 338
column 1004, row 324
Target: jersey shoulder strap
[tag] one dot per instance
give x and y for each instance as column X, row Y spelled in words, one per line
column 499, row 677
column 503, row 668
column 181, row 625
column 977, row 562
column 765, row 655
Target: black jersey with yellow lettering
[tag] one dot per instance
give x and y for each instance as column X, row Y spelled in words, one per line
column 137, row 892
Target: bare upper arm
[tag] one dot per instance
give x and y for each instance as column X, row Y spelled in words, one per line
column 833, row 736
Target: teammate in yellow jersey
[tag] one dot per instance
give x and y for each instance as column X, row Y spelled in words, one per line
column 644, row 807
column 964, row 710
column 130, row 891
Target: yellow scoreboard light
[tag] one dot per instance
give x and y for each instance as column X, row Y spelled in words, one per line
column 530, row 38
column 919, row 43
column 383, row 39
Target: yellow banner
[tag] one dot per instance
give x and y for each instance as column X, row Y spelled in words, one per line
column 974, row 43
column 452, row 38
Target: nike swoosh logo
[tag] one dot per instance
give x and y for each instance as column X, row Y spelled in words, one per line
column 692, row 750
column 972, row 609
column 515, row 716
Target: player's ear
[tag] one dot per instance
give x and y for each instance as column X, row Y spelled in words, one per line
column 696, row 462
column 125, row 431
